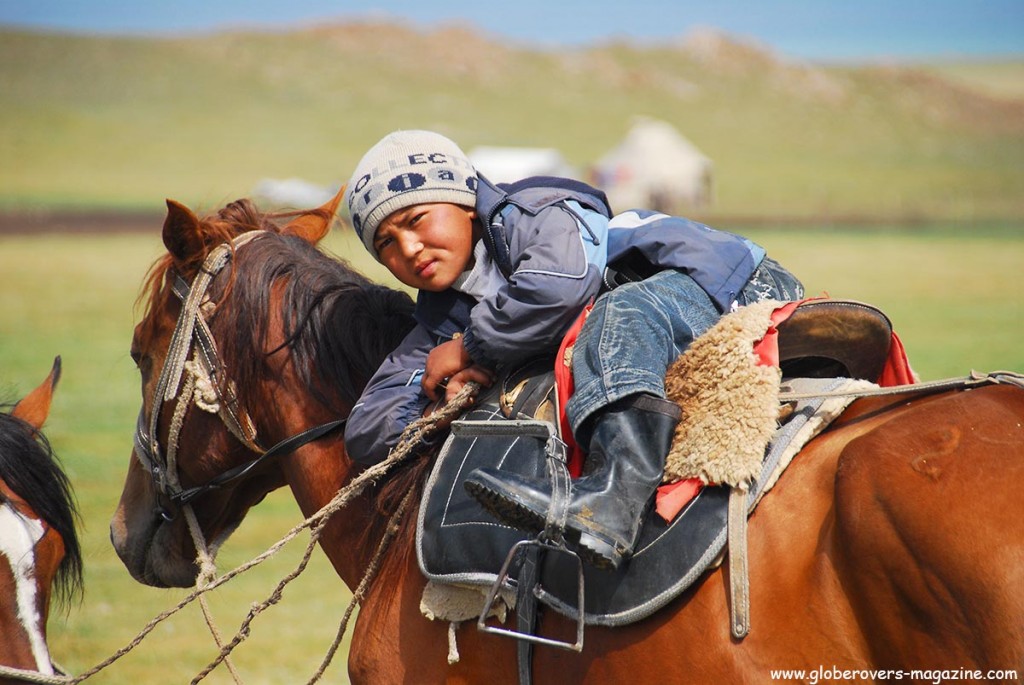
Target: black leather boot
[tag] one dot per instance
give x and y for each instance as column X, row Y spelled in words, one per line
column 628, row 443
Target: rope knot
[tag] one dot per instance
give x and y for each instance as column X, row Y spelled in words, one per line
column 207, row 573
column 206, row 397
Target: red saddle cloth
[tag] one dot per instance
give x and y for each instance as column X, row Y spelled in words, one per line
column 672, row 497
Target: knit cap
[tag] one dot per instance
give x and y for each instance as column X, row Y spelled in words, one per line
column 407, row 168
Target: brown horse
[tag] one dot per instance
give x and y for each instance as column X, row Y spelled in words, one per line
column 894, row 541
column 39, row 550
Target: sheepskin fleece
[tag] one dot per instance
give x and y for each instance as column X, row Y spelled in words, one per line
column 457, row 603
column 730, row 404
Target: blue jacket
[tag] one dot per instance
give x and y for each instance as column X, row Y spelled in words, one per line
column 552, row 239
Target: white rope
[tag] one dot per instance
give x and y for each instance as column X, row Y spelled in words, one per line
column 9, row 672
column 453, row 643
column 204, row 578
column 207, row 568
column 206, row 396
column 181, row 339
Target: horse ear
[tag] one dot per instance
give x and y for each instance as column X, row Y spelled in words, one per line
column 314, row 225
column 181, row 231
column 35, row 406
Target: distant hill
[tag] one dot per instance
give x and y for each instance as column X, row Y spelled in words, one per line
column 124, row 122
column 1003, row 79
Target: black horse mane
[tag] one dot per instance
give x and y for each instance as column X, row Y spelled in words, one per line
column 338, row 325
column 31, row 469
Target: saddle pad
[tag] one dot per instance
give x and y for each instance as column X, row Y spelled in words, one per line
column 458, row 542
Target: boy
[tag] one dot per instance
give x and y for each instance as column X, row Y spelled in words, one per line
column 502, row 273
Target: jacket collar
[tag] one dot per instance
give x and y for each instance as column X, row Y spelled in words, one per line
column 489, row 197
column 535, row 193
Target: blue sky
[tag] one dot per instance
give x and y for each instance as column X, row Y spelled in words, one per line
column 812, row 29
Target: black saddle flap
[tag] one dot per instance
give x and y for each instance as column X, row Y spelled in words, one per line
column 459, row 542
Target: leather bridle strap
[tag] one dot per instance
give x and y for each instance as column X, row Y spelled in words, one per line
column 178, row 349
column 286, row 446
column 240, row 426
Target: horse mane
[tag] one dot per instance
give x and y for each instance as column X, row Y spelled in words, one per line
column 30, row 468
column 337, row 325
column 338, row 328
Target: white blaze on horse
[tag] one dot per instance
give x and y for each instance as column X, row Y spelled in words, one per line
column 894, row 540
column 39, row 550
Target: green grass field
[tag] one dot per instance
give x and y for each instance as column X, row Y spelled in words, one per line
column 955, row 296
column 100, row 121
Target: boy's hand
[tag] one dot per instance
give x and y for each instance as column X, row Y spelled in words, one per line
column 449, row 367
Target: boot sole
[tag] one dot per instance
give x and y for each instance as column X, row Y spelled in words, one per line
column 505, row 510
column 595, row 551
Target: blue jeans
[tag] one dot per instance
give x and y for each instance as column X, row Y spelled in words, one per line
column 637, row 330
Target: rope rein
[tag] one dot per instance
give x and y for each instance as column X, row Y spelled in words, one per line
column 411, row 438
column 360, row 593
column 28, row 676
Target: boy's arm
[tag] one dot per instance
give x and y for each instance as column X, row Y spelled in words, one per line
column 391, row 401
column 552, row 282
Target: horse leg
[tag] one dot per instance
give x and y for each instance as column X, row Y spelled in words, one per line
column 928, row 510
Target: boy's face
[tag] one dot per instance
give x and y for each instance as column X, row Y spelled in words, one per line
column 427, row 246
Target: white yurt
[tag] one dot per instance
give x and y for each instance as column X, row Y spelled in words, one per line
column 655, row 167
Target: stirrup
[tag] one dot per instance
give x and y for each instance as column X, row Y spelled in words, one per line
column 542, row 546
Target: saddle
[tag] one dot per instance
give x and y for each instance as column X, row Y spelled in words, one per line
column 512, row 427
column 834, row 339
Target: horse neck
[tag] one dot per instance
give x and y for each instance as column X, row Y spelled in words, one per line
column 318, row 471
column 289, row 405
column 315, row 476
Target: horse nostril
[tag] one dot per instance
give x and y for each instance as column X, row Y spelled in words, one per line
column 164, row 514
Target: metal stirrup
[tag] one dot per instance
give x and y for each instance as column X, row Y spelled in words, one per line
column 529, row 554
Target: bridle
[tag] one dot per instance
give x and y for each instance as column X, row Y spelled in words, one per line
column 207, row 386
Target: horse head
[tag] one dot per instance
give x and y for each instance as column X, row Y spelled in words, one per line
column 39, row 550
column 251, row 335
